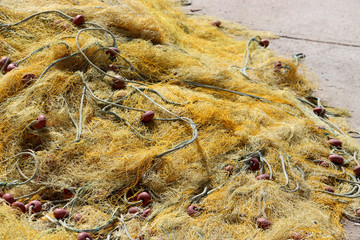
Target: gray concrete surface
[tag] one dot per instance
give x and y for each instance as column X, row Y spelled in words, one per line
column 327, row 31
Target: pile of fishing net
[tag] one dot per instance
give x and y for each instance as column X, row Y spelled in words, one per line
column 131, row 120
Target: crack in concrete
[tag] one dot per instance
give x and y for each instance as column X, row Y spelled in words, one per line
column 320, row 41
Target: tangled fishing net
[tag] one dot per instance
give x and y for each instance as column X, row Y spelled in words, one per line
column 130, row 120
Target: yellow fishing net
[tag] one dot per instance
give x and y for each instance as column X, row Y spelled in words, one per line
column 226, row 110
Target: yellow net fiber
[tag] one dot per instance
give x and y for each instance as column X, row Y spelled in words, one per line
column 220, row 100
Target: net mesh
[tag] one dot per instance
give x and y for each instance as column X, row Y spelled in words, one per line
column 220, row 99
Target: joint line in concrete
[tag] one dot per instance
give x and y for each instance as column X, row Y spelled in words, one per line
column 320, row 41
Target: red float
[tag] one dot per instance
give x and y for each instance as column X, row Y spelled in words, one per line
column 263, row 223
column 35, row 205
column 145, row 197
column 112, row 51
column 357, row 170
column 192, row 210
column 118, row 82
column 335, row 142
column 65, row 26
column 61, row 213
column 263, row 177
column 10, row 67
column 337, row 159
column 20, row 206
column 329, row 189
column 9, row 198
column 84, row 236
column 277, row 66
column 28, row 77
column 357, row 212
column 255, row 165
column 217, row 23
column 77, row 217
column 296, row 236
column 133, row 210
column 146, row 213
column 320, row 111
column 113, row 67
column 264, row 43
column 147, row 116
column 78, row 20
column 229, row 169
column 325, row 164
column 40, row 121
